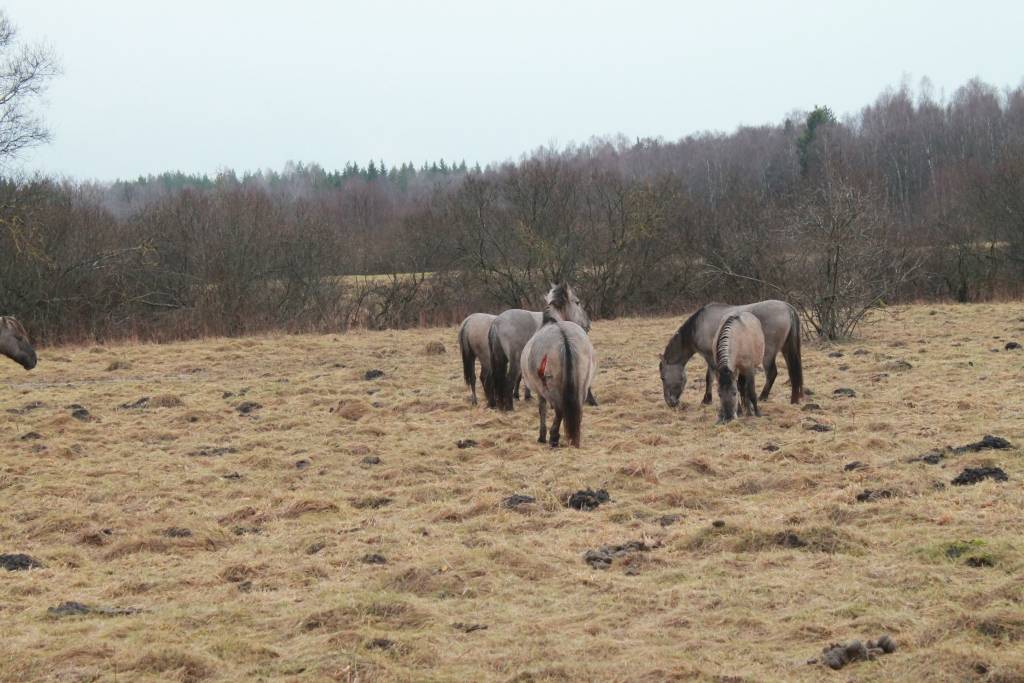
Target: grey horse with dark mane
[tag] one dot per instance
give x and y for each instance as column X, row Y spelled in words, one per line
column 739, row 350
column 15, row 344
column 558, row 364
column 512, row 329
column 780, row 324
column 473, row 344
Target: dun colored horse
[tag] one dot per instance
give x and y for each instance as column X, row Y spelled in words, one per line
column 474, row 345
column 558, row 364
column 739, row 350
column 512, row 329
column 781, row 327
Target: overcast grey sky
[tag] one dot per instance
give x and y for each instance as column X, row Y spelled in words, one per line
column 200, row 86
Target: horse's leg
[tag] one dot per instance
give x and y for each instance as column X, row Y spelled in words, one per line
column 771, row 371
column 526, row 394
column 591, row 401
column 742, row 408
column 542, row 410
column 709, row 381
column 555, row 426
column 752, row 389
column 515, row 377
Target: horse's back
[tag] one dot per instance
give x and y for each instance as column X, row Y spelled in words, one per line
column 476, row 327
column 514, row 328
column 543, row 360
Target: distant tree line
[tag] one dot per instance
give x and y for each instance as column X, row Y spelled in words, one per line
column 912, row 198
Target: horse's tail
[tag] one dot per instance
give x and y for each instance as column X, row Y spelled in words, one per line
column 791, row 351
column 468, row 357
column 499, row 379
column 572, row 411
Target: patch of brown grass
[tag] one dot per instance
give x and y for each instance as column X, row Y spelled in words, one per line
column 795, row 563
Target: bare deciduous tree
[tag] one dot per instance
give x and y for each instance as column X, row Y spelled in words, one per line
column 844, row 262
column 25, row 74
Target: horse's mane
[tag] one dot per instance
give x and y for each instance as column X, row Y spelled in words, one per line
column 722, row 343
column 558, row 299
column 686, row 331
column 14, row 323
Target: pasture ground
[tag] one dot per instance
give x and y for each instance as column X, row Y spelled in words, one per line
column 266, row 545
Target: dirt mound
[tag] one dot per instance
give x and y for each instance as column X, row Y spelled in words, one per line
column 73, row 609
column 603, row 557
column 517, row 500
column 587, row 499
column 373, row 374
column 837, row 655
column 988, row 442
column 19, row 562
column 973, row 475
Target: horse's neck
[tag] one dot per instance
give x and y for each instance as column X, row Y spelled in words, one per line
column 679, row 350
column 551, row 315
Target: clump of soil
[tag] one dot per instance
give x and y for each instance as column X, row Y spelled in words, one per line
column 517, row 500
column 79, row 412
column 871, row 495
column 373, row 374
column 19, row 562
column 135, row 405
column 373, row 558
column 176, row 532
column 247, row 407
column 468, row 628
column 72, row 609
column 835, row 354
column 27, row 408
column 973, row 475
column 370, row 460
column 855, row 465
column 819, row 427
column 844, row 392
column 213, row 451
column 118, row 365
column 371, row 502
column 466, row 443
column 988, row 442
column 669, row 520
column 602, row 557
column 1010, row 346
column 838, row 655
column 811, row 407
column 898, row 365
column 587, row 499
column 30, row 436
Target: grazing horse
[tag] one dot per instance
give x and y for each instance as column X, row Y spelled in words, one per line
column 512, row 329
column 780, row 324
column 14, row 343
column 558, row 364
column 739, row 350
column 474, row 345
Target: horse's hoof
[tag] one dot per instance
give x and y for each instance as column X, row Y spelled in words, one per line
column 542, row 439
column 706, row 401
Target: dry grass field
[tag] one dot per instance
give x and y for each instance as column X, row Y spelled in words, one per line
column 272, row 514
